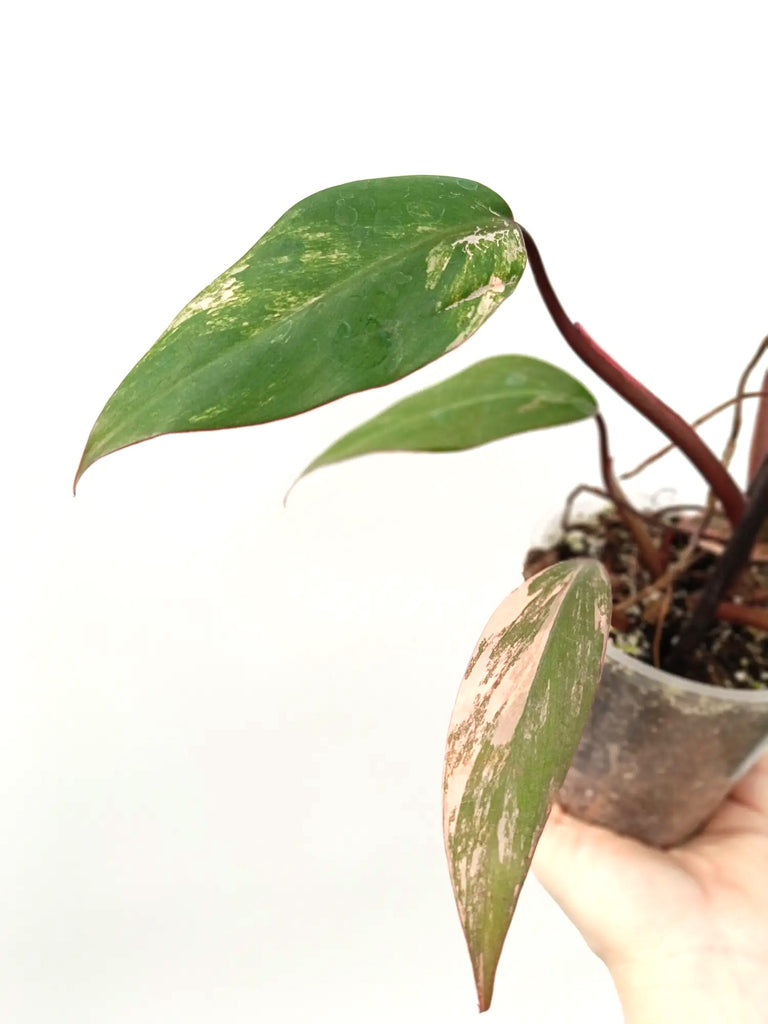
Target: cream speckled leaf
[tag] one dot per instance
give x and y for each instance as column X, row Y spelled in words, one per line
column 518, row 718
column 351, row 289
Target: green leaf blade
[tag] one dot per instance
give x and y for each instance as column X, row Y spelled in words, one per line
column 352, row 288
column 516, row 724
column 496, row 398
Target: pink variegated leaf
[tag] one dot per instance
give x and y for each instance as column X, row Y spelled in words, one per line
column 518, row 718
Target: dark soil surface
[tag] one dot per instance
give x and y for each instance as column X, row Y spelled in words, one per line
column 649, row 614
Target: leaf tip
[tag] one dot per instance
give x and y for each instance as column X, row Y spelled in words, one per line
column 484, row 965
column 87, row 459
column 289, row 492
column 83, row 465
column 484, row 993
column 305, row 472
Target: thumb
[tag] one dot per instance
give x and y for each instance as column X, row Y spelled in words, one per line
column 600, row 879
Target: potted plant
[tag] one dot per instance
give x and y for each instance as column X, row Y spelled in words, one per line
column 360, row 285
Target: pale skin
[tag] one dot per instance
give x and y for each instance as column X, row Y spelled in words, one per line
column 684, row 932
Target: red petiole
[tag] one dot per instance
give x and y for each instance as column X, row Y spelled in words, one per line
column 682, row 435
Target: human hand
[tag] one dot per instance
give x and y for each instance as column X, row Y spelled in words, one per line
column 684, row 932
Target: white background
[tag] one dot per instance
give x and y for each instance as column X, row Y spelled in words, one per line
column 222, row 720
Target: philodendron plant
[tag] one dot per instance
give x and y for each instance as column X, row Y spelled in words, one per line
column 356, row 287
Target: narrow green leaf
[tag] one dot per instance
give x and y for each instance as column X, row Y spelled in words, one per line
column 516, row 724
column 495, row 398
column 351, row 289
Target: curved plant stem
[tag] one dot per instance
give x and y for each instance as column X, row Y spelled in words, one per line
column 733, row 558
column 649, row 553
column 636, row 470
column 743, row 614
column 759, row 446
column 657, row 412
column 730, row 447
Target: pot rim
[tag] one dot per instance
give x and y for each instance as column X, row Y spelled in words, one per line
column 679, row 683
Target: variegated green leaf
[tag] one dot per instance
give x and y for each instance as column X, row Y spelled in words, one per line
column 352, row 288
column 517, row 722
column 496, row 398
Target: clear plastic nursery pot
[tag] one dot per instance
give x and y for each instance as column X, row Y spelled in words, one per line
column 660, row 752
